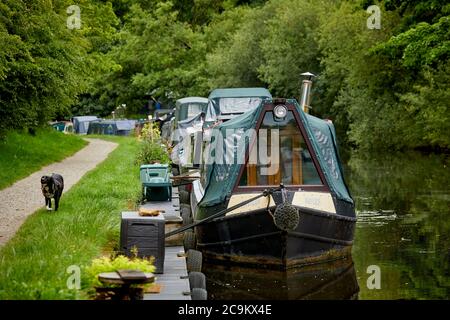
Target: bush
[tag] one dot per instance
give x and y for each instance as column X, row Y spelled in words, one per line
column 152, row 153
column 152, row 149
column 107, row 264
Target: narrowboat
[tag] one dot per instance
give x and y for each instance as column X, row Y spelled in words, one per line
column 189, row 107
column 222, row 105
column 65, row 127
column 189, row 116
column 112, row 127
column 81, row 123
column 272, row 192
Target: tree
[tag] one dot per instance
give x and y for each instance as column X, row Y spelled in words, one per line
column 44, row 65
column 236, row 58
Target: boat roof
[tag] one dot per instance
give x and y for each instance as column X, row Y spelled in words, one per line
column 191, row 100
column 125, row 124
column 240, row 92
column 85, row 118
column 120, row 124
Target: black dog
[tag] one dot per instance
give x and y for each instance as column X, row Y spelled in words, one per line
column 52, row 187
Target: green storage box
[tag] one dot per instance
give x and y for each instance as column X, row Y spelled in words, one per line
column 156, row 185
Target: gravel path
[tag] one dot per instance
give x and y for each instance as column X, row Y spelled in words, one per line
column 24, row 197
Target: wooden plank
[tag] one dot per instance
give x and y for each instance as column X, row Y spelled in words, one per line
column 122, row 277
column 174, row 282
column 297, row 174
column 251, row 175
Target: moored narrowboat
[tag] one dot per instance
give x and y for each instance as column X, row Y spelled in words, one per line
column 188, row 120
column 278, row 169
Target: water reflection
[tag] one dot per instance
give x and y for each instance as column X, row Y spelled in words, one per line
column 403, row 206
column 333, row 280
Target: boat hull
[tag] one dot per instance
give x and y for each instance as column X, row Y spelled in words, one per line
column 252, row 238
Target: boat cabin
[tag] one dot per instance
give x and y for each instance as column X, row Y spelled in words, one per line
column 81, row 123
column 112, row 127
column 225, row 104
column 189, row 107
column 189, row 117
column 291, row 157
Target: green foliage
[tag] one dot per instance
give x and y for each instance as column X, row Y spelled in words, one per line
column 107, row 264
column 150, row 132
column 377, row 85
column 428, row 104
column 422, row 45
column 152, row 150
column 22, row 153
column 351, row 85
column 290, row 47
column 198, row 12
column 157, row 55
column 235, row 60
column 43, row 64
column 374, row 81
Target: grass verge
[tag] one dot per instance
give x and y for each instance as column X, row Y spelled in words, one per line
column 33, row 265
column 22, row 154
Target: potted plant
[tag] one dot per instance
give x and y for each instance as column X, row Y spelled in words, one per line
column 110, row 290
column 152, row 149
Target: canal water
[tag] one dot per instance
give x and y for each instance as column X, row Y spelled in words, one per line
column 402, row 237
column 403, row 206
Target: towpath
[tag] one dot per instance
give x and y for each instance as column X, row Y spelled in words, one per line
column 24, row 197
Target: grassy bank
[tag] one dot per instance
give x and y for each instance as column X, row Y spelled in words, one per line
column 22, row 154
column 33, row 264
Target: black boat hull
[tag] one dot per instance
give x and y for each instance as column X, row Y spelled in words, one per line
column 252, row 238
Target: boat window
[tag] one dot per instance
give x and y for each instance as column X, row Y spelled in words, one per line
column 109, row 130
column 294, row 165
column 238, row 105
column 194, row 109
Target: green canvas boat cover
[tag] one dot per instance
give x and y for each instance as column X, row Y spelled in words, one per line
column 239, row 92
column 111, row 127
column 220, row 176
column 229, row 102
column 81, row 123
column 188, row 107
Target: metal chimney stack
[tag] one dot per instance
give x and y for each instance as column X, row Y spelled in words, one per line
column 305, row 97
